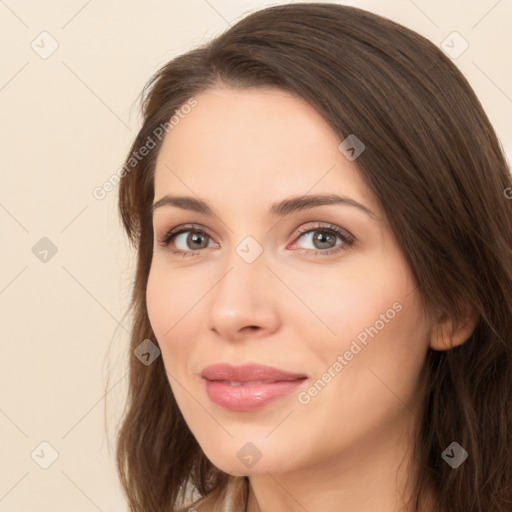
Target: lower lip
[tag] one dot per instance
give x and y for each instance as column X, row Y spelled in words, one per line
column 248, row 398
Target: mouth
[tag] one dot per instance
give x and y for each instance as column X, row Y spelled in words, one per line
column 248, row 387
column 250, row 382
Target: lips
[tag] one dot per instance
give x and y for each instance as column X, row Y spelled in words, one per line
column 248, row 387
column 248, row 373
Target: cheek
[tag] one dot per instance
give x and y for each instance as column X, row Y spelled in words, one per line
column 159, row 303
column 386, row 337
column 175, row 314
column 168, row 299
column 173, row 305
column 374, row 316
column 354, row 300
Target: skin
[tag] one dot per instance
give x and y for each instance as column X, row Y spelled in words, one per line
column 239, row 151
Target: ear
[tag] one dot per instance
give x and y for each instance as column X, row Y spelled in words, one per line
column 447, row 334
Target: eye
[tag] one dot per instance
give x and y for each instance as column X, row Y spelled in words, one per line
column 324, row 239
column 188, row 240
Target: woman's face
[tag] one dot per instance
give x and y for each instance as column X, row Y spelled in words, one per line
column 320, row 291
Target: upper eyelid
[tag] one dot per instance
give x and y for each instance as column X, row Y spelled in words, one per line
column 300, row 230
column 328, row 226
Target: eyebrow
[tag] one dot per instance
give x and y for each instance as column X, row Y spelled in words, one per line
column 280, row 208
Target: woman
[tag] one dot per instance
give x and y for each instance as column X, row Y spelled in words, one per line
column 322, row 309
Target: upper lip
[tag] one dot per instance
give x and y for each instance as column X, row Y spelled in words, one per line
column 248, row 372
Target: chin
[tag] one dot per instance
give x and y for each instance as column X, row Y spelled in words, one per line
column 235, row 467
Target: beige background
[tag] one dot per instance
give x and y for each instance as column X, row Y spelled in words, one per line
column 67, row 123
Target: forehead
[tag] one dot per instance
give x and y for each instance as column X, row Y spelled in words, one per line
column 259, row 143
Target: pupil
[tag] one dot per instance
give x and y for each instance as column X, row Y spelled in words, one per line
column 196, row 237
column 321, row 238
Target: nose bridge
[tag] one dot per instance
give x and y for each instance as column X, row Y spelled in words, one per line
column 244, row 276
column 241, row 297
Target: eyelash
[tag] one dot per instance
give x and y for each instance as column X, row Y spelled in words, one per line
column 346, row 238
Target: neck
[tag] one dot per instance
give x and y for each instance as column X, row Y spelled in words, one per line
column 374, row 475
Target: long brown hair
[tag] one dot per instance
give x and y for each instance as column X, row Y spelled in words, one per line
column 436, row 167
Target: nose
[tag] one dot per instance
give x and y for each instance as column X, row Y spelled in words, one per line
column 244, row 302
